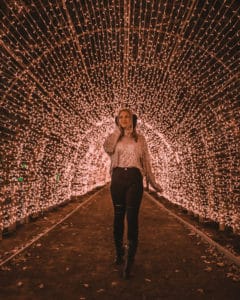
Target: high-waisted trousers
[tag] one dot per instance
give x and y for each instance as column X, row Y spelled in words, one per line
column 126, row 191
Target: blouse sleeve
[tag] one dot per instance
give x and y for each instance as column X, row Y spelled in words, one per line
column 111, row 141
column 147, row 166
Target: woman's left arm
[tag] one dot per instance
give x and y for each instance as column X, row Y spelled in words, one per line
column 147, row 167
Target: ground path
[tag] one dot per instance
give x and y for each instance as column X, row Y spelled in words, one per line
column 74, row 260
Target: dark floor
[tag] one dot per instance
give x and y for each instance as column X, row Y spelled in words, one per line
column 74, row 260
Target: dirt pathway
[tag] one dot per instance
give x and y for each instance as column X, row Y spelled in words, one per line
column 74, row 261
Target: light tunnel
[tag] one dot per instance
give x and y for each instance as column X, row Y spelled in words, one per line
column 68, row 66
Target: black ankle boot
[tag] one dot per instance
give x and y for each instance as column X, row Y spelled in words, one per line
column 132, row 248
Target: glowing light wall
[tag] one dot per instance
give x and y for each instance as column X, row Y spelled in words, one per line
column 67, row 66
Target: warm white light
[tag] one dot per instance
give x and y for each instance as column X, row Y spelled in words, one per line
column 68, row 66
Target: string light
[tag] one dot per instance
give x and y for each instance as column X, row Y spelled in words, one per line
column 68, row 66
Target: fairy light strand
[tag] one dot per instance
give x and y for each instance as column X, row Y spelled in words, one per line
column 68, row 66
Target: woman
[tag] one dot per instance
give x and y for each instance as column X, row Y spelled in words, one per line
column 130, row 161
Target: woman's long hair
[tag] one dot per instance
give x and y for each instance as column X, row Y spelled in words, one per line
column 134, row 122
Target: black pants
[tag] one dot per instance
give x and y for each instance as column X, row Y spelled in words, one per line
column 126, row 191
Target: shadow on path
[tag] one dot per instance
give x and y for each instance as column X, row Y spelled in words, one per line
column 75, row 261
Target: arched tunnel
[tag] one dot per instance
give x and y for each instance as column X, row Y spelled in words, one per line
column 68, row 66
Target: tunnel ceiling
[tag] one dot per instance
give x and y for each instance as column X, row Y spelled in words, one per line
column 68, row 66
column 162, row 58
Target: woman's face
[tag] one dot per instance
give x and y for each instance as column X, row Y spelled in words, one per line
column 125, row 120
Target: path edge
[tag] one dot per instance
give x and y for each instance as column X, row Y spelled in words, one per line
column 230, row 256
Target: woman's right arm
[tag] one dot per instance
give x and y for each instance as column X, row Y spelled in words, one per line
column 111, row 141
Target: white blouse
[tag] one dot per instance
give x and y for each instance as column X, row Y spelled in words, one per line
column 126, row 152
